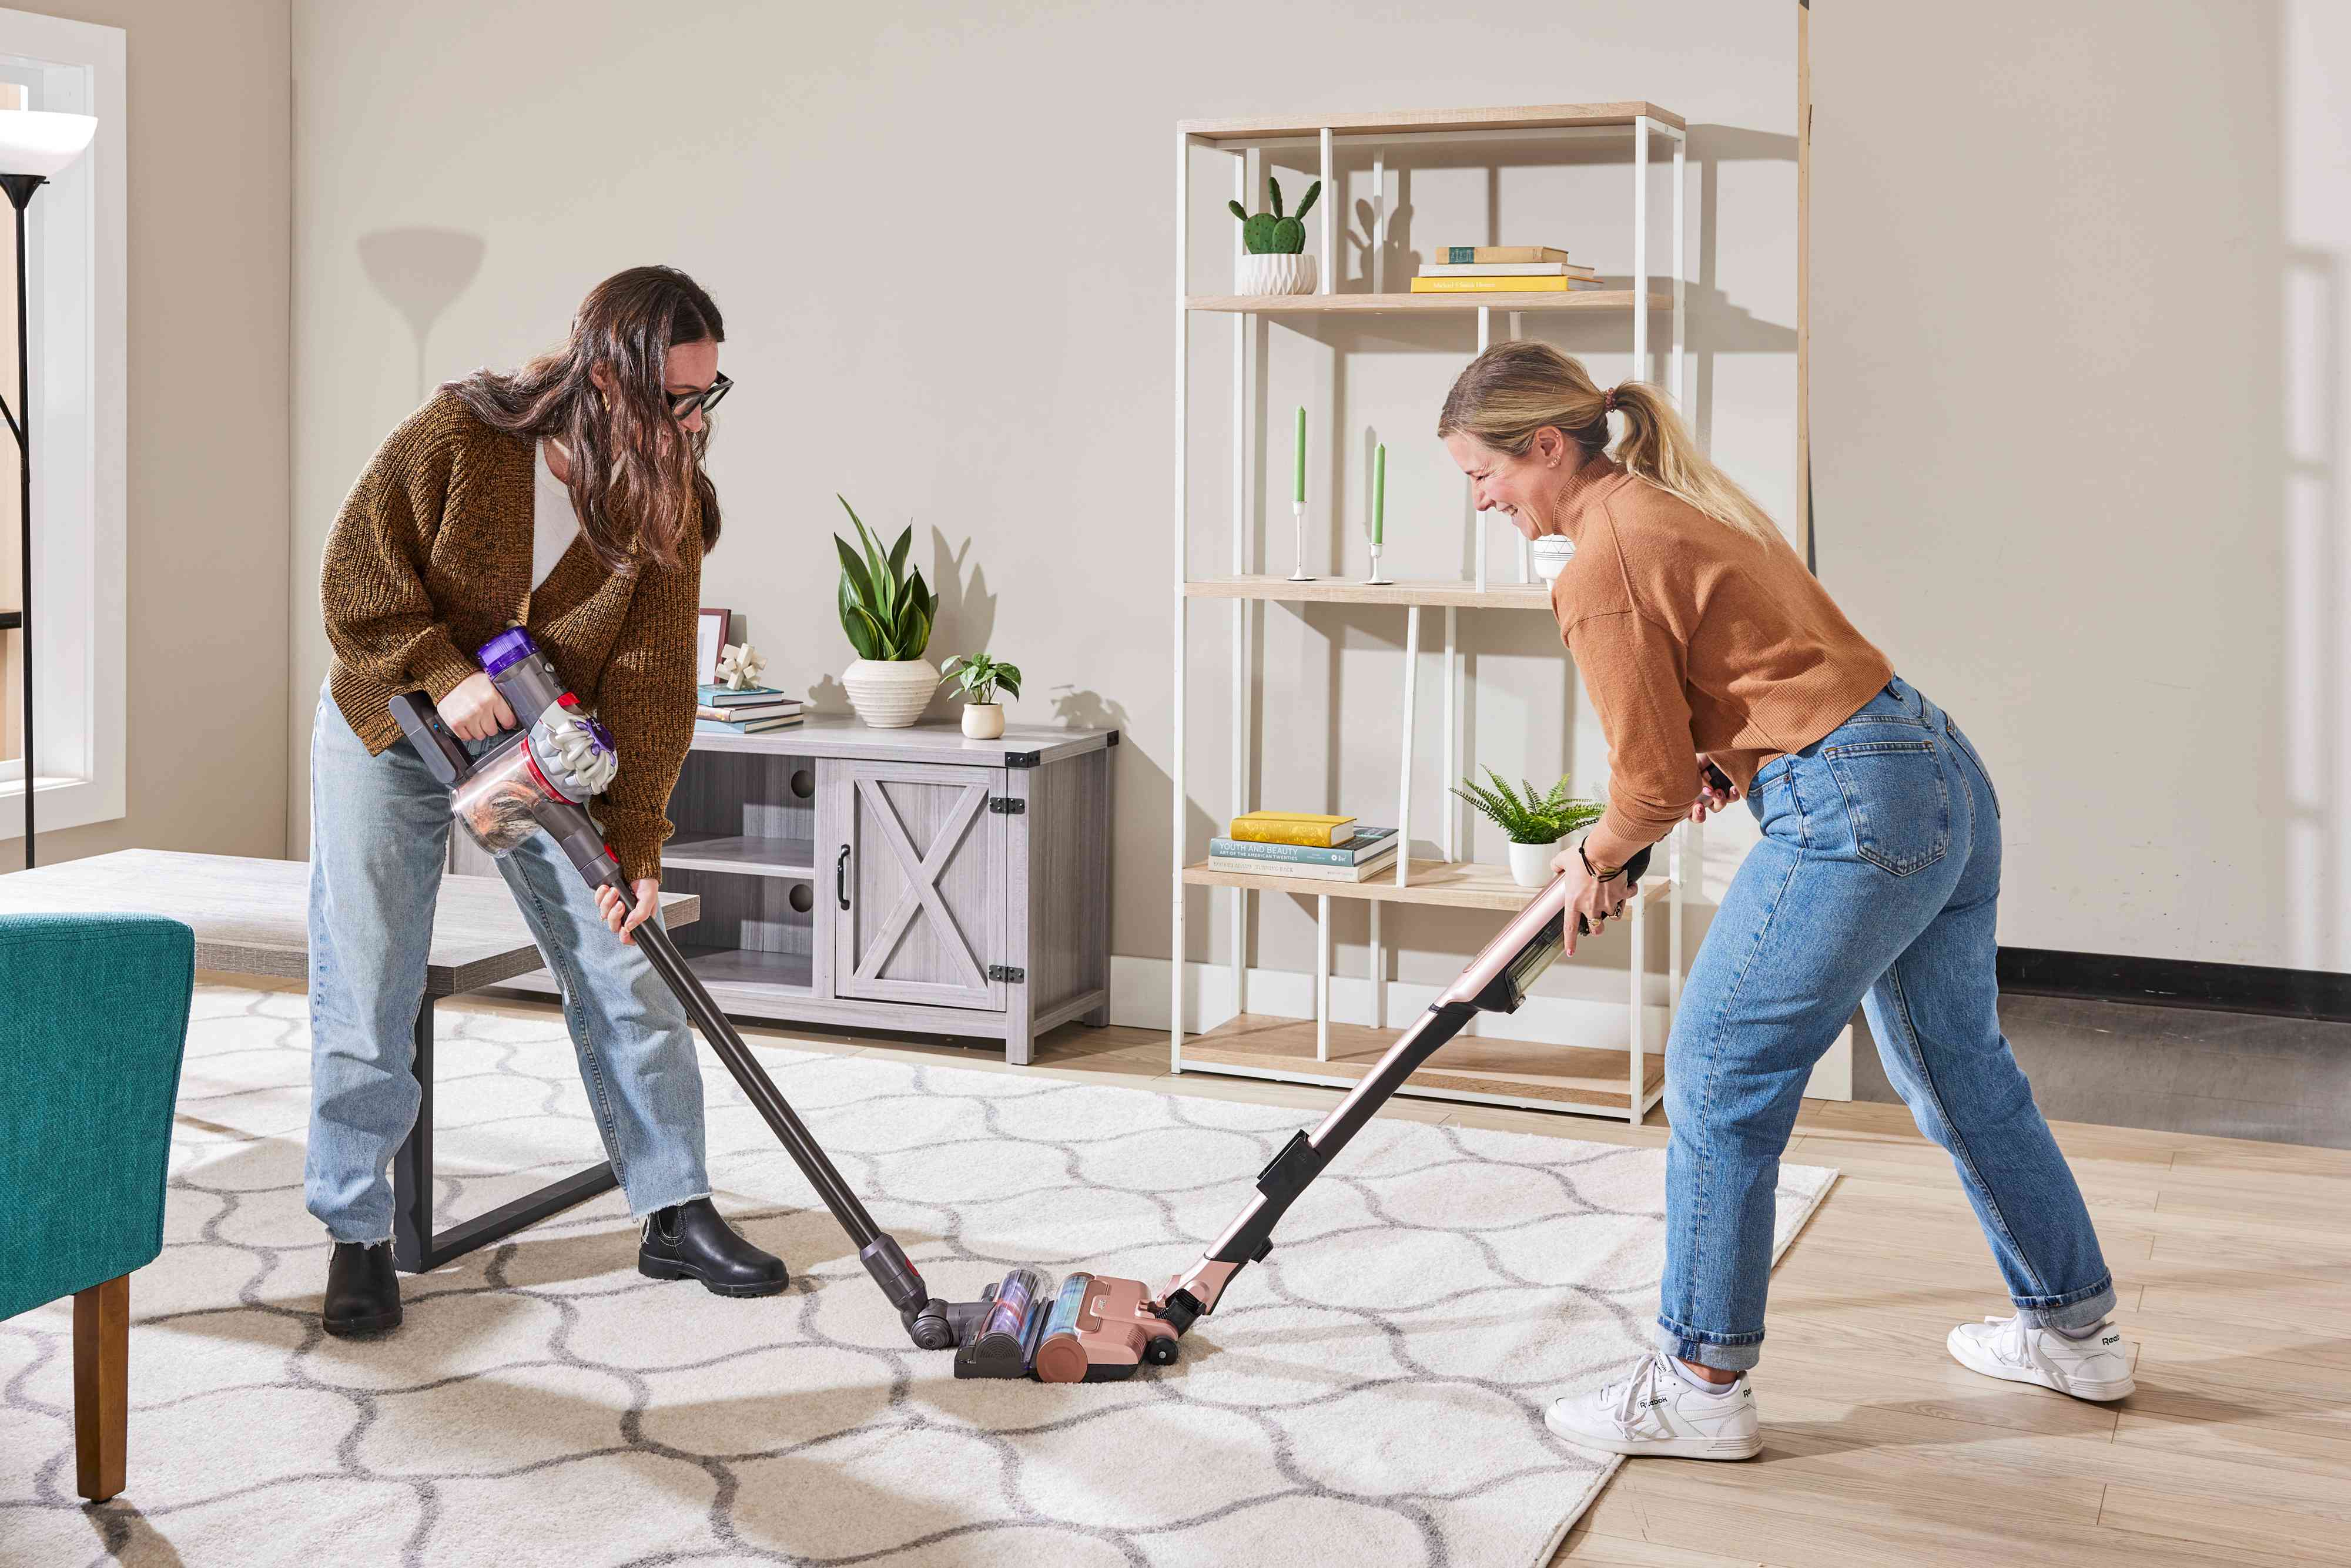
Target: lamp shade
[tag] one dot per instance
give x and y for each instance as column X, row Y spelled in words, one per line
column 39, row 142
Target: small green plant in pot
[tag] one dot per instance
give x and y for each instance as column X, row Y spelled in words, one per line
column 1274, row 261
column 979, row 677
column 887, row 609
column 1533, row 821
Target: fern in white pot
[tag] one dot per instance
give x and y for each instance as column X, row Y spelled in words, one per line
column 1533, row 823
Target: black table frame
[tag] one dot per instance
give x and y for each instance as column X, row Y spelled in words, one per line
column 416, row 1247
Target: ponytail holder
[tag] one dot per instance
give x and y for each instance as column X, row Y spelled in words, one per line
column 1608, row 404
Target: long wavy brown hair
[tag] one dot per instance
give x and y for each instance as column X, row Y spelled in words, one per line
column 636, row 471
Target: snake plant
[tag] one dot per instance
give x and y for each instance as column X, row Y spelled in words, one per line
column 887, row 609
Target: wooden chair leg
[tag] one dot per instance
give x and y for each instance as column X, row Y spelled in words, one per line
column 101, row 1342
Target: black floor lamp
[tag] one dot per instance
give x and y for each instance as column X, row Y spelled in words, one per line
column 33, row 145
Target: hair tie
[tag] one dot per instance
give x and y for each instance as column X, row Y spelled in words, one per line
column 1608, row 402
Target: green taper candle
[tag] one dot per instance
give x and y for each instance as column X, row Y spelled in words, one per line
column 1298, row 468
column 1379, row 495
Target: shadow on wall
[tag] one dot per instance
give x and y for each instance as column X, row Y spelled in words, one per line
column 2317, row 634
column 966, row 617
column 420, row 272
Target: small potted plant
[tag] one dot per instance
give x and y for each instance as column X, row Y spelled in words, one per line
column 1534, row 823
column 887, row 610
column 1274, row 261
column 978, row 677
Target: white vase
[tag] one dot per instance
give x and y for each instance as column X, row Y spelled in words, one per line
column 1268, row 274
column 1551, row 554
column 1530, row 863
column 983, row 721
column 889, row 694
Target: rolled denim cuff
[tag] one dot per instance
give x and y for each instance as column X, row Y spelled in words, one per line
column 2080, row 1310
column 1724, row 1353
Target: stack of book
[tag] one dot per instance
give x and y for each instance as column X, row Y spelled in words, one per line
column 1292, row 844
column 721, row 710
column 1504, row 269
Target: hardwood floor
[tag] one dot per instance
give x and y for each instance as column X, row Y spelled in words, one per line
column 2232, row 1259
column 2233, row 1262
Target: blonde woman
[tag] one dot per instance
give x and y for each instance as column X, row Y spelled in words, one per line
column 1701, row 639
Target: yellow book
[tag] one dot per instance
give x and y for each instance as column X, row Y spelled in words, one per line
column 1310, row 829
column 1500, row 285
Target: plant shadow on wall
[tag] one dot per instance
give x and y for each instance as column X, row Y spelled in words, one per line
column 420, row 272
column 966, row 613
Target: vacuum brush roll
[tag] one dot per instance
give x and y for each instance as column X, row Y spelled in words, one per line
column 1000, row 1344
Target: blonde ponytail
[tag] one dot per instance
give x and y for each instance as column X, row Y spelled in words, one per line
column 1513, row 389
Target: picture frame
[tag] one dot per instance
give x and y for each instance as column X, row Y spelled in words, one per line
column 710, row 643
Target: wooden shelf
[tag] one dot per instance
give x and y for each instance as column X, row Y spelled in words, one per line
column 1602, row 299
column 1457, row 592
column 1529, row 117
column 734, row 973
column 1258, row 1045
column 1451, row 884
column 737, row 852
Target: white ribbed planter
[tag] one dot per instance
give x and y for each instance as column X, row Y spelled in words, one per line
column 889, row 694
column 1269, row 274
column 1530, row 863
column 983, row 721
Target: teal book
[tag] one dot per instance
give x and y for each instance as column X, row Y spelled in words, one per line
column 756, row 726
column 1367, row 844
column 721, row 696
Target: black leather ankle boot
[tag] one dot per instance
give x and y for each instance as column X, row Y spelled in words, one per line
column 363, row 1289
column 691, row 1241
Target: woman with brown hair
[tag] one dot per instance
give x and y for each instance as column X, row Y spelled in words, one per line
column 1701, row 639
column 568, row 497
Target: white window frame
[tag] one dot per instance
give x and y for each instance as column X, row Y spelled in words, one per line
column 76, row 309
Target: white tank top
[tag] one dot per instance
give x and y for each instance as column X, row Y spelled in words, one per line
column 554, row 523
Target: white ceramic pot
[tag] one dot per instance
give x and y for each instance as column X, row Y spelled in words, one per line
column 1530, row 863
column 1551, row 554
column 983, row 721
column 889, row 694
column 1292, row 274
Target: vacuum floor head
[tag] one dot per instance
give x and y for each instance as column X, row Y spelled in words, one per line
column 1094, row 1329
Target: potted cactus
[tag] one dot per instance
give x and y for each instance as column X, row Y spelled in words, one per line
column 1274, row 261
column 887, row 612
column 1534, row 823
column 978, row 677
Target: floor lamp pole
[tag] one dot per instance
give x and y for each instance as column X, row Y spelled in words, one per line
column 20, row 189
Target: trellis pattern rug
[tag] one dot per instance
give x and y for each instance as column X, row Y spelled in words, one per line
column 1372, row 1394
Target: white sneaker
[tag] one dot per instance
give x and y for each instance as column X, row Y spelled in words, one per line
column 2094, row 1367
column 1655, row 1411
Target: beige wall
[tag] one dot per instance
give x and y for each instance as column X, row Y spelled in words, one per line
column 207, row 250
column 2078, row 277
column 942, row 237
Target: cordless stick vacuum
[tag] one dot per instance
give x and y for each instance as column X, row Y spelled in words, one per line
column 1096, row 1329
column 541, row 777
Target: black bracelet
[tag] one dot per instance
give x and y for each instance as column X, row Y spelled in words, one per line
column 1592, row 871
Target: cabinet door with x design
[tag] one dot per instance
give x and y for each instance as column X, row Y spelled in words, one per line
column 918, row 883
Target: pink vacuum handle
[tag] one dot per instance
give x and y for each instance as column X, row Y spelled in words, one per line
column 1472, row 983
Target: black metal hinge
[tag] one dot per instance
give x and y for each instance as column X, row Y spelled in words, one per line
column 1020, row 760
column 1007, row 805
column 1002, row 972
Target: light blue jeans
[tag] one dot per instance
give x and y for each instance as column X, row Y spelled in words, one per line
column 378, row 843
column 1876, row 883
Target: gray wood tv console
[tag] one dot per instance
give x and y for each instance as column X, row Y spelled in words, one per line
column 905, row 880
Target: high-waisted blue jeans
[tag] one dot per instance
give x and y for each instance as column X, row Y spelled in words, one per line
column 1876, row 883
column 378, row 842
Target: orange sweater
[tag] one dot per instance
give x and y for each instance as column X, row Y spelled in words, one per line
column 1692, row 636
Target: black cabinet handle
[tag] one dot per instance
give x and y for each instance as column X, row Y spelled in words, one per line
column 840, row 877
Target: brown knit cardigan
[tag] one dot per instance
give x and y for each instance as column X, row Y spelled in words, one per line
column 430, row 557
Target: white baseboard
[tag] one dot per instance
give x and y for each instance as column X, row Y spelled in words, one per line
column 1138, row 1000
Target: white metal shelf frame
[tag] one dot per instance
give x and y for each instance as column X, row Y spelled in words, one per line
column 1246, row 152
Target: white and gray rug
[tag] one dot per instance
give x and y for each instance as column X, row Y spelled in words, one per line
column 1372, row 1394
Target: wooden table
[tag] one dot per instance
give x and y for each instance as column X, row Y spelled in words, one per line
column 251, row 917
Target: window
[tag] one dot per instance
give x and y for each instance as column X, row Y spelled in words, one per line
column 75, row 294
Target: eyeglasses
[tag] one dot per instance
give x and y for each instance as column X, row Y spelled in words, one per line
column 683, row 405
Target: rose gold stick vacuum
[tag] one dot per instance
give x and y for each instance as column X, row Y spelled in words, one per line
column 1100, row 1329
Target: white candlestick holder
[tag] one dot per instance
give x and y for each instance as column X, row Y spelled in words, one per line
column 1377, row 579
column 1299, row 573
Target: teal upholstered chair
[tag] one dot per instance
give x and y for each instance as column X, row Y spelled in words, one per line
column 93, row 1021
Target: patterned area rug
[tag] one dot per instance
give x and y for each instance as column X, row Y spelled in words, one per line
column 1372, row 1394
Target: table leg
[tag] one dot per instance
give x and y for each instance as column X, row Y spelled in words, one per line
column 416, row 1248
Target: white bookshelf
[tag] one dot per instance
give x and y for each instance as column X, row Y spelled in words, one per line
column 1623, row 1083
